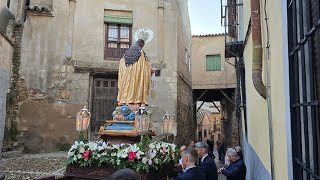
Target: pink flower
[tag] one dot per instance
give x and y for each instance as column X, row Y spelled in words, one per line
column 86, row 155
column 163, row 151
column 132, row 156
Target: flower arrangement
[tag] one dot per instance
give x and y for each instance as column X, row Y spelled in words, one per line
column 142, row 157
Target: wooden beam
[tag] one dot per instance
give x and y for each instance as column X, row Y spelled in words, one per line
column 226, row 96
column 200, row 106
column 216, row 106
column 203, row 93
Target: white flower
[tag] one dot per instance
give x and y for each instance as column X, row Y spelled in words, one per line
column 166, row 149
column 139, row 153
column 173, row 147
column 79, row 156
column 134, row 148
column 123, row 153
column 118, row 161
column 152, row 154
column 81, row 150
column 145, row 160
column 122, row 144
column 152, row 146
column 81, row 143
column 105, row 145
column 92, row 146
column 75, row 145
column 100, row 148
column 150, row 162
column 158, row 146
column 156, row 161
column 70, row 153
column 115, row 146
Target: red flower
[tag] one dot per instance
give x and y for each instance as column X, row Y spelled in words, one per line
column 132, row 156
column 86, row 155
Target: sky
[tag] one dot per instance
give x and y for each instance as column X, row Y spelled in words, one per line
column 205, row 17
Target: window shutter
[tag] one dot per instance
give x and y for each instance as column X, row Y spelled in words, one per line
column 213, row 63
column 114, row 19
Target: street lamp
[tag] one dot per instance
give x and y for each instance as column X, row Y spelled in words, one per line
column 167, row 125
column 142, row 121
column 82, row 121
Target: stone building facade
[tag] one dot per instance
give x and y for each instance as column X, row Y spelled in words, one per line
column 11, row 13
column 214, row 79
column 209, row 126
column 67, row 61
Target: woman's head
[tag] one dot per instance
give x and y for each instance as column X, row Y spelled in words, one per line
column 125, row 174
column 232, row 154
column 140, row 43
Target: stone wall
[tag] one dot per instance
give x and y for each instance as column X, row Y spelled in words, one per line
column 186, row 123
column 51, row 90
column 10, row 41
column 230, row 126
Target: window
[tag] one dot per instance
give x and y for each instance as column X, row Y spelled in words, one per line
column 189, row 62
column 213, row 63
column 186, row 55
column 218, row 124
column 205, row 133
column 118, row 40
column 200, row 135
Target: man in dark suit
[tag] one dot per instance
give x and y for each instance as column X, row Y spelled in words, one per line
column 190, row 171
column 237, row 169
column 206, row 163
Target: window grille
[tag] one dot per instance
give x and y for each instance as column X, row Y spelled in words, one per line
column 304, row 66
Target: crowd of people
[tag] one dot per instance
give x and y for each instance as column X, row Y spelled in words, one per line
column 197, row 162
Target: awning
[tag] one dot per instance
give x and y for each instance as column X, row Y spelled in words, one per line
column 118, row 19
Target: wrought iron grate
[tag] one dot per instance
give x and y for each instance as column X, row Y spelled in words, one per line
column 304, row 53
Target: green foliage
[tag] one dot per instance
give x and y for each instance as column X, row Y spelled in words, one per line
column 144, row 156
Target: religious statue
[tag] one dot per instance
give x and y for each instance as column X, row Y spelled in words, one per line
column 134, row 78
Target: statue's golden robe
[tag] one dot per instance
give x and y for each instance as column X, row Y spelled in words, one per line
column 134, row 81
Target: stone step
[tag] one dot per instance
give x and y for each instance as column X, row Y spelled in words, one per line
column 12, row 154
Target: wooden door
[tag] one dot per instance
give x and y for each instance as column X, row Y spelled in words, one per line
column 104, row 101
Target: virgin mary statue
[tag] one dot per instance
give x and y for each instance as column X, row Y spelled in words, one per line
column 134, row 76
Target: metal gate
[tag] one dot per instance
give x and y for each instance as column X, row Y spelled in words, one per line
column 304, row 65
column 104, row 101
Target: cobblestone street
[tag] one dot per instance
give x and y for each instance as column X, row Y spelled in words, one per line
column 33, row 165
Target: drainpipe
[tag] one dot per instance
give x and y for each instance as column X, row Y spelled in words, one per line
column 257, row 67
column 257, row 48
